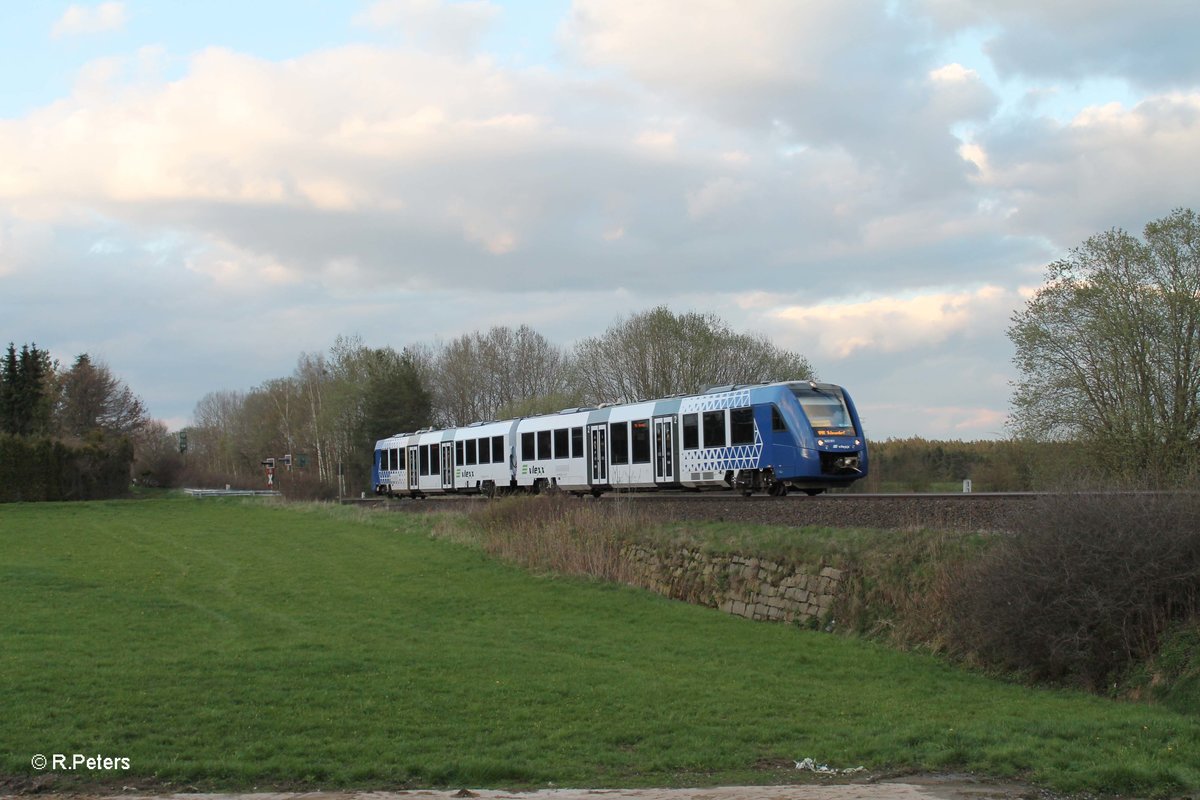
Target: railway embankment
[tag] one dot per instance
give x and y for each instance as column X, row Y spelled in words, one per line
column 849, row 583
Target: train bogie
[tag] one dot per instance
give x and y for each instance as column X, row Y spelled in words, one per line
column 766, row 437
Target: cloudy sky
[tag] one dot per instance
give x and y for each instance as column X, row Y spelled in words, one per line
column 197, row 192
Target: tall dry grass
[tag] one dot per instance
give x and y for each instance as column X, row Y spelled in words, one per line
column 559, row 533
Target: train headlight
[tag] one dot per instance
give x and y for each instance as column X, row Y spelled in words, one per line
column 820, row 442
column 857, row 442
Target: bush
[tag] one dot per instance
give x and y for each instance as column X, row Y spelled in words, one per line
column 1085, row 587
column 34, row 468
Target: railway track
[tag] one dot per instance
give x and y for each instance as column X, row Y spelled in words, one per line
column 966, row 511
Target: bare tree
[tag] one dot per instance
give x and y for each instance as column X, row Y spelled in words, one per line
column 212, row 439
column 482, row 375
column 658, row 353
column 313, row 377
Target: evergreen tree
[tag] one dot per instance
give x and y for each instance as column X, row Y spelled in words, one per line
column 8, row 391
column 26, row 396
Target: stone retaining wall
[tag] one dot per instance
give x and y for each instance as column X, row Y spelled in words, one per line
column 745, row 586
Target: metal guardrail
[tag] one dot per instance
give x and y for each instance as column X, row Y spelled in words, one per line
column 233, row 492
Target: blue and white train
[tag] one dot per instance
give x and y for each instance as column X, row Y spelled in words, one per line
column 753, row 438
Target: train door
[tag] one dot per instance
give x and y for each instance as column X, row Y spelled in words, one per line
column 414, row 471
column 447, row 465
column 598, row 455
column 664, row 450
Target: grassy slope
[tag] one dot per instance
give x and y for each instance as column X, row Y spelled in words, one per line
column 231, row 645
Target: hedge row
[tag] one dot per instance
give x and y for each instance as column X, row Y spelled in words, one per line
column 42, row 468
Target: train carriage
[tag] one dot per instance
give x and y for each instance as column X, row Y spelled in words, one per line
column 753, row 438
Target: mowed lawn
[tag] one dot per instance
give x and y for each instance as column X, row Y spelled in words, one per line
column 223, row 644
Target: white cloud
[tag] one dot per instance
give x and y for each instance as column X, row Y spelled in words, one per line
column 661, row 141
column 893, row 324
column 716, row 197
column 453, row 26
column 78, row 20
column 1109, row 166
column 958, row 93
column 237, row 129
column 938, row 421
column 231, row 268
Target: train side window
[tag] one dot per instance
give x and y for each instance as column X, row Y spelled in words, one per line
column 485, row 451
column 714, row 429
column 435, row 459
column 691, row 431
column 741, row 426
column 543, row 444
column 424, row 460
column 618, row 442
column 777, row 423
column 527, row 451
column 497, row 449
column 471, row 459
column 576, row 442
column 459, row 457
column 398, row 458
column 641, row 441
column 561, row 443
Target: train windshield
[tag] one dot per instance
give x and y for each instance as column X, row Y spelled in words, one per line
column 826, row 410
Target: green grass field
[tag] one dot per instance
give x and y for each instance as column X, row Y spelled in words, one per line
column 224, row 644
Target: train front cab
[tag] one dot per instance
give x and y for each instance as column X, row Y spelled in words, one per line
column 814, row 438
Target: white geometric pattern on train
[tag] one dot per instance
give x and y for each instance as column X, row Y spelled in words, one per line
column 771, row 437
